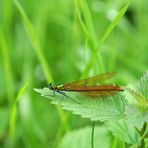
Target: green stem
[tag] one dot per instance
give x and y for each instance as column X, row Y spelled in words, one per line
column 92, row 136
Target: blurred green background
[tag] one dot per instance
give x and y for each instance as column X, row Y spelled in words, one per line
column 57, row 40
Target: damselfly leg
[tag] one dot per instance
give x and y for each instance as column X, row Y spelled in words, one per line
column 64, row 95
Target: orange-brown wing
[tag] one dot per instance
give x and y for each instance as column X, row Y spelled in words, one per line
column 79, row 88
column 99, row 95
column 93, row 80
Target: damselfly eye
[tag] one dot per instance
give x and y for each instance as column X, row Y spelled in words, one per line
column 50, row 86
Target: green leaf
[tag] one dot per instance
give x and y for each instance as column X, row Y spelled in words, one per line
column 139, row 98
column 143, row 86
column 95, row 109
column 123, row 130
column 82, row 138
column 135, row 117
column 136, row 113
column 141, row 94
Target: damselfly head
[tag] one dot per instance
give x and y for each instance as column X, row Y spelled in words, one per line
column 50, row 86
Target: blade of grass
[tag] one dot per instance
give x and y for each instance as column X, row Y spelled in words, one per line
column 35, row 42
column 81, row 21
column 7, row 20
column 13, row 112
column 82, row 5
column 89, row 32
column 114, row 23
column 7, row 66
column 107, row 33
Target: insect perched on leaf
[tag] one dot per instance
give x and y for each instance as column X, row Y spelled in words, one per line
column 89, row 86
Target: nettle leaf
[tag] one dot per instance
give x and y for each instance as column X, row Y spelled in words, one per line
column 82, row 138
column 102, row 109
column 143, row 85
column 141, row 94
column 136, row 114
column 123, row 130
column 135, row 117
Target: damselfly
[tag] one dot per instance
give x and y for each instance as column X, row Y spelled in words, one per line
column 89, row 86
